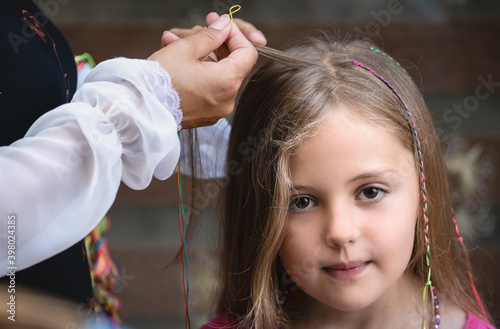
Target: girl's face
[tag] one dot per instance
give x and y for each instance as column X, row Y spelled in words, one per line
column 352, row 214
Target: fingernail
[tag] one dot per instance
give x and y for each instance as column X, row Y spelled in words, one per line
column 221, row 22
column 258, row 37
column 173, row 36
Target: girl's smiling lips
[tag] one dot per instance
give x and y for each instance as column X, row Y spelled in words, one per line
column 346, row 271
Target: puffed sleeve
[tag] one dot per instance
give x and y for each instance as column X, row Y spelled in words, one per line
column 60, row 180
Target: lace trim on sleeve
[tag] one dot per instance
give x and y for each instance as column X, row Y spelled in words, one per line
column 160, row 85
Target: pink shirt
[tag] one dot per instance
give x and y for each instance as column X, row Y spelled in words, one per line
column 473, row 322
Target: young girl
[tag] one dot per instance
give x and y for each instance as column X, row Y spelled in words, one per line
column 337, row 210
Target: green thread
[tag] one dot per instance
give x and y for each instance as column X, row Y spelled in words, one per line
column 392, row 59
column 87, row 57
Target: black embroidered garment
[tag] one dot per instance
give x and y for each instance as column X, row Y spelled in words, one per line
column 38, row 73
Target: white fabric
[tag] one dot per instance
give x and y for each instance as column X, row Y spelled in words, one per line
column 62, row 178
column 212, row 143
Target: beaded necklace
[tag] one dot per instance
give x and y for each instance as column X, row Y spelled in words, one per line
column 437, row 312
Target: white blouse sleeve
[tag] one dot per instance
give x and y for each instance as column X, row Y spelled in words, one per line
column 61, row 179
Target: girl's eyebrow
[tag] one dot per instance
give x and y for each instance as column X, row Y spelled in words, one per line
column 381, row 173
column 303, row 187
column 374, row 174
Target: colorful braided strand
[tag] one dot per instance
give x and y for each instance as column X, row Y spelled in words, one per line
column 386, row 55
column 469, row 270
column 428, row 283
column 185, row 268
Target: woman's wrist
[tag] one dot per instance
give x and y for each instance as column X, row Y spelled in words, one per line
column 159, row 83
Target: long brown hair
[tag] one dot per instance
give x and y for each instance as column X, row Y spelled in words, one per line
column 283, row 104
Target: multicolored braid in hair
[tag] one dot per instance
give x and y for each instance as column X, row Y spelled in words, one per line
column 428, row 283
column 386, row 55
column 465, row 255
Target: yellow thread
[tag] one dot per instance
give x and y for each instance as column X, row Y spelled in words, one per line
column 201, row 60
column 232, row 10
column 428, row 285
column 424, row 310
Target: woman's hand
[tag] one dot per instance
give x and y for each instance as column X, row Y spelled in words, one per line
column 249, row 31
column 208, row 89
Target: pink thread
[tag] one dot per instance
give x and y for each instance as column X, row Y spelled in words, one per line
column 477, row 296
column 461, row 239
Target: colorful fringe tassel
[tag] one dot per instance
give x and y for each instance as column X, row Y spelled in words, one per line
column 104, row 273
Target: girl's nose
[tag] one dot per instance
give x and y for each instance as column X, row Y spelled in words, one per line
column 341, row 225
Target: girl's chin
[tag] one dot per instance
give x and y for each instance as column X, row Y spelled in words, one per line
column 345, row 303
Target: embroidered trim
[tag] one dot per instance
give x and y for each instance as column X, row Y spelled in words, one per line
column 159, row 83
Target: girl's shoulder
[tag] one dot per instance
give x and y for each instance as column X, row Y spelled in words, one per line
column 220, row 322
column 474, row 322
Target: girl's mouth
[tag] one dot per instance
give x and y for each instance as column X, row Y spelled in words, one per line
column 346, row 271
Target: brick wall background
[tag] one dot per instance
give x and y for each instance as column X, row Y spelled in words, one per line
column 446, row 45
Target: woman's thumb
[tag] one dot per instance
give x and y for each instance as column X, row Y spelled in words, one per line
column 211, row 38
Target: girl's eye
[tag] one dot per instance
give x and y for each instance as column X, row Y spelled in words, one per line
column 301, row 203
column 371, row 194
